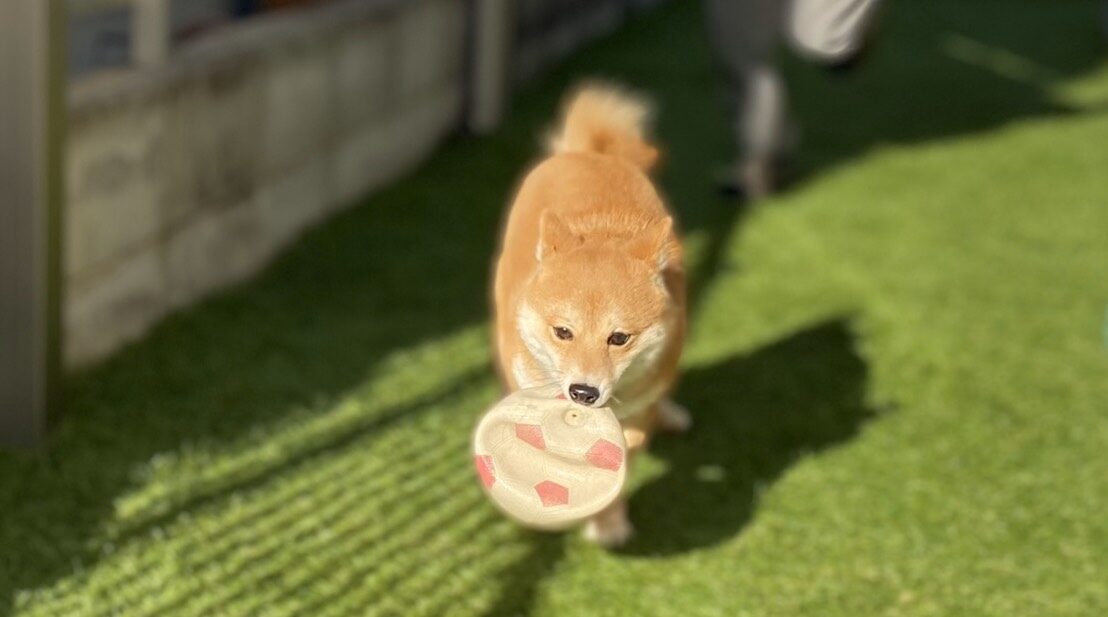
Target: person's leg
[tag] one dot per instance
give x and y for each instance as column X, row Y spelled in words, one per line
column 761, row 128
column 831, row 32
column 745, row 34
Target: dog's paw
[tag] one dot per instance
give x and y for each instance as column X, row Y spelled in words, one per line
column 673, row 417
column 635, row 437
column 609, row 532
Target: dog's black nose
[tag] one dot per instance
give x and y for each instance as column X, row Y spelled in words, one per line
column 584, row 394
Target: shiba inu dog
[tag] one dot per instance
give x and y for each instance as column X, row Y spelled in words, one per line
column 589, row 293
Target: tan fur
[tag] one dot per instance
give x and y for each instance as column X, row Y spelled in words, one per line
column 588, row 245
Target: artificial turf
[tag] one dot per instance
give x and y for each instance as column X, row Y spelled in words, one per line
column 898, row 371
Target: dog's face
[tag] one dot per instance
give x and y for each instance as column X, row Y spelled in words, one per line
column 596, row 313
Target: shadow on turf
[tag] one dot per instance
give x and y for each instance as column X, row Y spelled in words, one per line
column 412, row 264
column 754, row 415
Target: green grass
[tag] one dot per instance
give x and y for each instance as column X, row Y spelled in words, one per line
column 898, row 370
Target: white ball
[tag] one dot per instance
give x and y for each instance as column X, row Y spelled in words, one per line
column 549, row 463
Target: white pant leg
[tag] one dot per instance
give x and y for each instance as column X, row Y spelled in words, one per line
column 746, row 34
column 829, row 30
column 762, row 121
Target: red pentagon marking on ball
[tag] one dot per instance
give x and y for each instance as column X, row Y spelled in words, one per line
column 605, row 455
column 483, row 463
column 532, row 434
column 552, row 493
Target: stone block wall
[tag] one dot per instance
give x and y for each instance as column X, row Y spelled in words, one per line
column 186, row 178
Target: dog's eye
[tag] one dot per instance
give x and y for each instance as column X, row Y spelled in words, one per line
column 563, row 333
column 618, row 338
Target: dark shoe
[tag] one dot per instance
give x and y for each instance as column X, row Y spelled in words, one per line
column 848, row 65
column 750, row 180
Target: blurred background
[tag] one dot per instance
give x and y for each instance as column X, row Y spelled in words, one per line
column 244, row 260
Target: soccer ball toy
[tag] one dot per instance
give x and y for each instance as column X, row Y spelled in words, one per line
column 549, row 463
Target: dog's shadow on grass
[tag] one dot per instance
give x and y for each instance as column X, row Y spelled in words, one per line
column 754, row 416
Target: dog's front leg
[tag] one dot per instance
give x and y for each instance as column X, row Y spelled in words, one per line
column 673, row 417
column 611, row 527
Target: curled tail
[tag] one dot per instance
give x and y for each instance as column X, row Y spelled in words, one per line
column 606, row 120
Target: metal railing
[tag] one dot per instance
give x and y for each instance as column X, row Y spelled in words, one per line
column 491, row 20
column 150, row 32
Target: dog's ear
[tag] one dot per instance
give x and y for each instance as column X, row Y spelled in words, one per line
column 554, row 236
column 652, row 243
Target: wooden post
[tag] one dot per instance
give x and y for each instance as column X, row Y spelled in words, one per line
column 32, row 74
column 150, row 35
column 491, row 42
